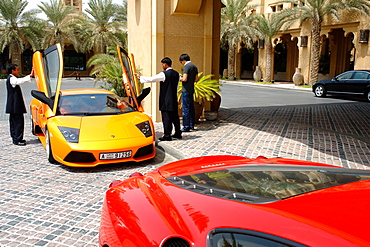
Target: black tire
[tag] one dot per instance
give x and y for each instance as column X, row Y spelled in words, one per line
column 367, row 95
column 49, row 152
column 33, row 128
column 320, row 91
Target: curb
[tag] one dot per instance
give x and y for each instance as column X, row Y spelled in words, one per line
column 169, row 150
column 288, row 86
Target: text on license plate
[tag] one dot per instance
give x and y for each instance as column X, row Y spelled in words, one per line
column 114, row 156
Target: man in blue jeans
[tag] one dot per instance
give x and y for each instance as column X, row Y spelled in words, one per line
column 190, row 75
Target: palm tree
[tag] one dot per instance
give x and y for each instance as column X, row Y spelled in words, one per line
column 18, row 28
column 314, row 11
column 235, row 28
column 107, row 68
column 100, row 30
column 122, row 12
column 59, row 25
column 267, row 28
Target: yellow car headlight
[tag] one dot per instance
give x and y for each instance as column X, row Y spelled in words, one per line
column 70, row 134
column 145, row 128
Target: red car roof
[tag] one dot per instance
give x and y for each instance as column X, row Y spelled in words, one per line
column 147, row 210
column 210, row 163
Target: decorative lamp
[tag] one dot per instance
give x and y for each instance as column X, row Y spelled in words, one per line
column 304, row 41
column 261, row 44
column 364, row 36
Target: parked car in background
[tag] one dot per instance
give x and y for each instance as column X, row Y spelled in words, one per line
column 222, row 201
column 349, row 82
column 87, row 127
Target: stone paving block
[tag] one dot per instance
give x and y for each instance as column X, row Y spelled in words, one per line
column 43, row 204
column 326, row 134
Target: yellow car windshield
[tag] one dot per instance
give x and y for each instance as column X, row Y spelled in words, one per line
column 93, row 104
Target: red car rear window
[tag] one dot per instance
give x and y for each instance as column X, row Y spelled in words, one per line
column 268, row 183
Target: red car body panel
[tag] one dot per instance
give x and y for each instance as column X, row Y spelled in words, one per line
column 147, row 210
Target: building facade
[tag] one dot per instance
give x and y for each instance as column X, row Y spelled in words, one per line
column 169, row 28
column 344, row 47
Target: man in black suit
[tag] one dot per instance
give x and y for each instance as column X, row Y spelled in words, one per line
column 168, row 106
column 15, row 104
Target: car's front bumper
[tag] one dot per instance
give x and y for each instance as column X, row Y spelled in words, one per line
column 88, row 154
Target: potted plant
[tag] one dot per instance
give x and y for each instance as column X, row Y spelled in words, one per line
column 205, row 89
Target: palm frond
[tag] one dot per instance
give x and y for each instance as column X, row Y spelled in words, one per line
column 205, row 89
column 107, row 68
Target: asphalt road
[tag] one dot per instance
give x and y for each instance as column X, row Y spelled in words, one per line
column 236, row 95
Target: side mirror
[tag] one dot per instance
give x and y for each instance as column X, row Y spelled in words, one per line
column 143, row 94
column 42, row 97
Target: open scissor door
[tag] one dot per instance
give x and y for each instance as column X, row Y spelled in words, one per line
column 48, row 66
column 132, row 88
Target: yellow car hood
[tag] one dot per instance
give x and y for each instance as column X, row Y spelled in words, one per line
column 105, row 128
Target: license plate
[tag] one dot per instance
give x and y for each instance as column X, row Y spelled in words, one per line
column 115, row 156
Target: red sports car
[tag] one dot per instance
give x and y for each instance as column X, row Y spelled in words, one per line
column 231, row 201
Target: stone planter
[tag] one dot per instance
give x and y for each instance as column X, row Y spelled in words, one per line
column 298, row 77
column 210, row 115
column 215, row 103
column 225, row 73
column 257, row 75
column 198, row 111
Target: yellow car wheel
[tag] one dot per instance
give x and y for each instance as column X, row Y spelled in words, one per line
column 49, row 152
column 33, row 128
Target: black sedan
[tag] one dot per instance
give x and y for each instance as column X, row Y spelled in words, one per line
column 349, row 82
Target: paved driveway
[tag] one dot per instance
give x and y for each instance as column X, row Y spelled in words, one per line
column 42, row 204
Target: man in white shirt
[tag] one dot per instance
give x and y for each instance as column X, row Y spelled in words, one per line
column 15, row 104
column 168, row 105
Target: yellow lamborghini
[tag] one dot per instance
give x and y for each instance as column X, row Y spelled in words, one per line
column 89, row 127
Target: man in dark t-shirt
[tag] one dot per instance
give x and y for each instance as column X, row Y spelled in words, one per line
column 189, row 77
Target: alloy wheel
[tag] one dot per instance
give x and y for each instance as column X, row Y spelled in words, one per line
column 320, row 91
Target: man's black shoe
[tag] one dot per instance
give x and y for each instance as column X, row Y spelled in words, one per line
column 178, row 136
column 19, row 143
column 165, row 138
column 23, row 141
column 185, row 129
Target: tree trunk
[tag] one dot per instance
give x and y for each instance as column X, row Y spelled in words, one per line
column 231, row 62
column 16, row 57
column 268, row 47
column 315, row 52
